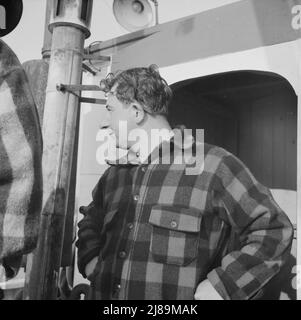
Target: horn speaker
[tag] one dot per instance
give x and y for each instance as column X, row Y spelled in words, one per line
column 133, row 15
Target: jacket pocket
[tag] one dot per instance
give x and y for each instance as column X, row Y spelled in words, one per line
column 175, row 234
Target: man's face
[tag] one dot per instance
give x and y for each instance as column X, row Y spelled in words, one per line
column 118, row 119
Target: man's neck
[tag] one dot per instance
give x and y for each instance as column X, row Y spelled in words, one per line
column 154, row 132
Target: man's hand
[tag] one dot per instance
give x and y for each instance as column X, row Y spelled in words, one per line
column 206, row 291
column 91, row 266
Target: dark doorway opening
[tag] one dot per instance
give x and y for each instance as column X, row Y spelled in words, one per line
column 253, row 115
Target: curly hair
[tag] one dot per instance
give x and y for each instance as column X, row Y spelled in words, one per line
column 144, row 85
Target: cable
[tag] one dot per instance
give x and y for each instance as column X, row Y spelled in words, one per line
column 88, row 52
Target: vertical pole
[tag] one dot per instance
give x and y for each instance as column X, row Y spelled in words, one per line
column 157, row 12
column 47, row 34
column 59, row 130
column 156, row 4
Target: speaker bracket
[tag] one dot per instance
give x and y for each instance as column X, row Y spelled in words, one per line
column 87, row 68
column 93, row 100
column 96, row 58
column 73, row 88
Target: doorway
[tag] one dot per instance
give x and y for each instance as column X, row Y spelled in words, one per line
column 253, row 115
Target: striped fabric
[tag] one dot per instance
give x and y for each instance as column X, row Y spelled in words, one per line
column 158, row 232
column 20, row 162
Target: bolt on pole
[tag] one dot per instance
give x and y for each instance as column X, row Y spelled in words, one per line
column 70, row 22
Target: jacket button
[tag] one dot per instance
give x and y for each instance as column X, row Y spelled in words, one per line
column 143, row 169
column 130, row 226
column 173, row 224
column 122, row 254
column 136, row 197
column 116, row 290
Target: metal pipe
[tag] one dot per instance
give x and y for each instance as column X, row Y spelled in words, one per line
column 156, row 11
column 59, row 129
column 47, row 34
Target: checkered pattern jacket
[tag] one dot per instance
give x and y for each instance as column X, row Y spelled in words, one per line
column 20, row 163
column 159, row 232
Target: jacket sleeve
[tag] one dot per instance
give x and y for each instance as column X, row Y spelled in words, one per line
column 89, row 241
column 20, row 158
column 262, row 230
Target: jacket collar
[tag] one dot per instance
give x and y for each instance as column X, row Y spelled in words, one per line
column 166, row 149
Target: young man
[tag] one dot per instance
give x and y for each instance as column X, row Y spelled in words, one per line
column 153, row 231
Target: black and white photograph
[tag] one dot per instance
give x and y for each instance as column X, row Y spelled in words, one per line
column 149, row 151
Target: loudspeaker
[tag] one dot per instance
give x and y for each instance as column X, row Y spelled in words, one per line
column 133, row 15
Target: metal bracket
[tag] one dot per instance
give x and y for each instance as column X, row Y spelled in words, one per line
column 87, row 68
column 73, row 89
column 92, row 100
column 96, row 58
column 92, row 57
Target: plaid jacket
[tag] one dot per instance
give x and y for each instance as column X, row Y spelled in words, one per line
column 159, row 232
column 20, row 163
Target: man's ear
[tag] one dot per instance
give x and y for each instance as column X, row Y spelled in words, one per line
column 137, row 112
